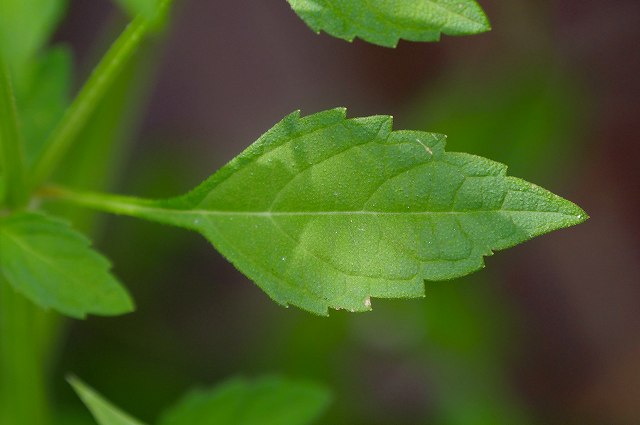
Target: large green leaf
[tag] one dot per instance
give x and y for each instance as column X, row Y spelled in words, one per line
column 325, row 211
column 102, row 410
column 268, row 401
column 385, row 22
column 53, row 265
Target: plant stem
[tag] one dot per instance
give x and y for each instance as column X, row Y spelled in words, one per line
column 11, row 146
column 98, row 85
column 105, row 202
column 25, row 332
column 87, row 100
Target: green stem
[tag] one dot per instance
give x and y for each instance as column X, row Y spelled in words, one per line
column 11, row 146
column 90, row 95
column 105, row 202
column 25, row 330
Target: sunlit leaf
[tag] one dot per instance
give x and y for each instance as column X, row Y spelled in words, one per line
column 325, row 211
column 385, row 22
column 268, row 401
column 53, row 265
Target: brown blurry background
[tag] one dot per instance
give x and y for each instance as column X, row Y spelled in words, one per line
column 549, row 333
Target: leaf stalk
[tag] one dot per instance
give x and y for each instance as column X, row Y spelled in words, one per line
column 12, row 158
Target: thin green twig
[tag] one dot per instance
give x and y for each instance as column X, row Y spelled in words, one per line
column 98, row 85
column 11, row 143
column 87, row 100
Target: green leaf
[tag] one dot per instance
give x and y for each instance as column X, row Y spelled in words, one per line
column 139, row 7
column 53, row 265
column 43, row 105
column 267, row 401
column 148, row 9
column 88, row 99
column 11, row 143
column 25, row 26
column 102, row 410
column 325, row 211
column 385, row 22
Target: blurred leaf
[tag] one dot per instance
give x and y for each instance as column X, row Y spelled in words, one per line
column 146, row 8
column 25, row 27
column 103, row 411
column 53, row 265
column 96, row 88
column 43, row 105
column 149, row 9
column 371, row 213
column 524, row 117
column 12, row 157
column 386, row 22
column 98, row 159
column 267, row 401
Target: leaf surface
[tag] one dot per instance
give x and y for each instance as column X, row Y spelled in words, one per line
column 385, row 22
column 102, row 410
column 267, row 401
column 324, row 211
column 53, row 265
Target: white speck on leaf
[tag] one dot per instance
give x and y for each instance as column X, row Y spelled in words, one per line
column 426, row 148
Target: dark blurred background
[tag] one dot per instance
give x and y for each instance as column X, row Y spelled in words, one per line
column 549, row 333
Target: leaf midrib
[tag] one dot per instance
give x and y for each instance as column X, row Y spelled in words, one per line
column 132, row 209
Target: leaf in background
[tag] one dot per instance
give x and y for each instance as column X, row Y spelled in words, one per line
column 267, row 401
column 99, row 84
column 25, row 27
column 43, row 105
column 102, row 410
column 53, row 265
column 145, row 8
column 385, row 22
column 327, row 212
column 517, row 116
column 149, row 9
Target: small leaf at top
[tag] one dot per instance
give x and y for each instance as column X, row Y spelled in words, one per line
column 385, row 22
column 102, row 410
column 325, row 211
column 52, row 264
column 267, row 401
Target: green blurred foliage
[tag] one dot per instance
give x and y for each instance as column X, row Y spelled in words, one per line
column 25, row 28
column 46, row 99
column 266, row 401
column 102, row 410
column 446, row 356
column 524, row 116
